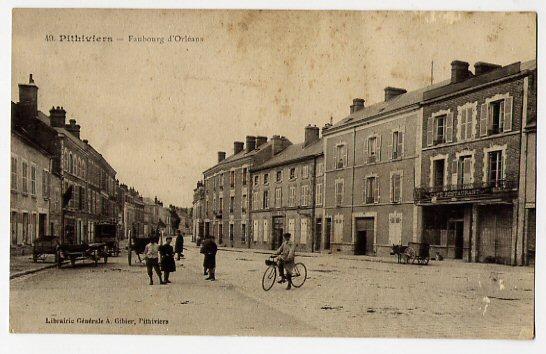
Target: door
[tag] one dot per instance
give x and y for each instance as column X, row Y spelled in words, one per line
column 318, row 235
column 278, row 230
column 327, row 233
column 42, row 219
column 459, row 239
column 364, row 233
column 14, row 228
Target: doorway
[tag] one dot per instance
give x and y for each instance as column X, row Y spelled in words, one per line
column 439, row 170
column 364, row 234
column 278, row 230
column 456, row 230
column 42, row 219
column 327, row 233
column 318, row 235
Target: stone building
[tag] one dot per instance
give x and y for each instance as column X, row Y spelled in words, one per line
column 287, row 195
column 476, row 134
column 227, row 189
column 371, row 162
column 34, row 202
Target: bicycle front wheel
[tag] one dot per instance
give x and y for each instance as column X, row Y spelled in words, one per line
column 268, row 280
column 299, row 275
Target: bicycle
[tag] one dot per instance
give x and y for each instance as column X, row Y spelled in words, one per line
column 299, row 274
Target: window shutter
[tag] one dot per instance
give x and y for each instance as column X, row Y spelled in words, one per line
column 449, row 127
column 392, row 187
column 430, row 129
column 377, row 195
column 401, row 134
column 390, row 143
column 508, row 107
column 455, row 172
column 379, row 148
column 483, row 120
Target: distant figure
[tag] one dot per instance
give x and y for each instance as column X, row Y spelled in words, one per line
column 209, row 249
column 167, row 259
column 287, row 255
column 151, row 255
column 179, row 245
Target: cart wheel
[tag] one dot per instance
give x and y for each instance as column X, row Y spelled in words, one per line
column 129, row 253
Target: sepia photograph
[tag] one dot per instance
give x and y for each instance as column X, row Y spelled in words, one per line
column 272, row 173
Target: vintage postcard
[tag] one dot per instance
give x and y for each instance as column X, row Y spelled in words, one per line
column 286, row 173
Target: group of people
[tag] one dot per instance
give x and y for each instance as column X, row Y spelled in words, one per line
column 163, row 255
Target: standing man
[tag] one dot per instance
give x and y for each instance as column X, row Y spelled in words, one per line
column 167, row 259
column 151, row 255
column 287, row 255
column 179, row 245
column 209, row 249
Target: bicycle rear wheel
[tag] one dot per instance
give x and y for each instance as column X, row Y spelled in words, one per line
column 299, row 275
column 268, row 280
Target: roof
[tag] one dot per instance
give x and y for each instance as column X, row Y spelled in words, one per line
column 240, row 155
column 293, row 153
column 401, row 101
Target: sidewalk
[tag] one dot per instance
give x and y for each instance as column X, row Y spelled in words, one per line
column 22, row 265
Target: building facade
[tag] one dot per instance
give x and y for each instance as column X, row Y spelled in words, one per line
column 287, row 196
column 227, row 189
column 472, row 168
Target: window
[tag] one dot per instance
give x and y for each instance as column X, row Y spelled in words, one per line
column 464, row 178
column 438, row 167
column 372, row 149
column 279, row 176
column 266, row 178
column 372, row 190
column 341, row 156
column 245, row 172
column 320, row 168
column 292, row 173
column 266, row 231
column 33, row 179
column 82, row 198
column 319, row 194
column 232, row 179
column 231, row 204
column 397, row 141
column 465, row 124
column 45, row 184
column 495, row 168
column 305, row 195
column 25, row 177
column 256, row 180
column 396, row 184
column 220, row 205
column 255, row 201
column 244, row 203
column 243, row 232
column 14, row 173
column 496, row 115
column 496, row 112
column 303, row 231
column 339, row 187
column 305, row 171
column 266, row 200
column 70, row 163
column 255, row 231
column 440, row 128
column 278, row 197
column 231, row 232
column 439, row 131
column 292, row 196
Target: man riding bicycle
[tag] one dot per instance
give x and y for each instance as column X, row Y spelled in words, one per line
column 286, row 255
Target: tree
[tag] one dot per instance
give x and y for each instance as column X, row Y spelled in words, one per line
column 175, row 219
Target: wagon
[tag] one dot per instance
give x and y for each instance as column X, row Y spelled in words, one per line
column 414, row 251
column 107, row 233
column 84, row 251
column 137, row 245
column 43, row 246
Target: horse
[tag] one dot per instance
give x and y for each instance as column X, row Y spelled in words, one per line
column 399, row 250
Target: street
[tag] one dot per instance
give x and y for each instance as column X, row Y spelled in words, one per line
column 344, row 296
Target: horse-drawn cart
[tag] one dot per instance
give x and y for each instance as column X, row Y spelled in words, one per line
column 137, row 245
column 43, row 246
column 107, row 233
column 414, row 251
column 73, row 253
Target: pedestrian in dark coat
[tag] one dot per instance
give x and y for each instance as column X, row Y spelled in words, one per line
column 167, row 259
column 179, row 245
column 209, row 249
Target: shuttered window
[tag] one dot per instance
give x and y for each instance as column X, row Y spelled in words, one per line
column 303, row 230
column 14, row 173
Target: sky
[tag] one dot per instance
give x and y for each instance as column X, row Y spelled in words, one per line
column 159, row 112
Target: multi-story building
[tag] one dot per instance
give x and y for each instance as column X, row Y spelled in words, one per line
column 287, row 195
column 371, row 161
column 476, row 138
column 227, row 189
column 35, row 197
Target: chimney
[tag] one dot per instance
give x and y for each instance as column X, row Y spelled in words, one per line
column 358, row 104
column 221, row 156
column 277, row 144
column 57, row 117
column 250, row 143
column 482, row 67
column 260, row 140
column 85, row 141
column 73, row 128
column 311, row 135
column 28, row 97
column 459, row 71
column 326, row 127
column 392, row 92
column 237, row 147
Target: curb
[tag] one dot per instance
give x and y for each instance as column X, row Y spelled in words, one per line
column 250, row 250
column 30, row 271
